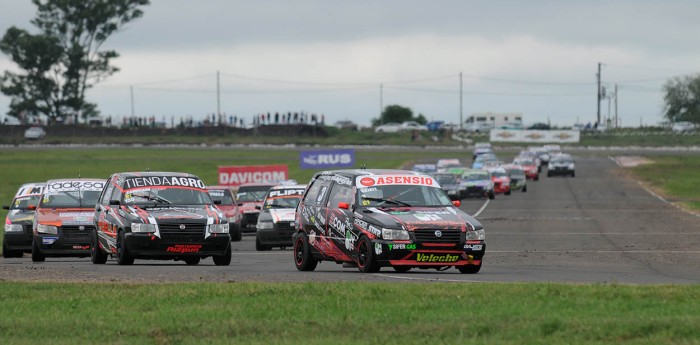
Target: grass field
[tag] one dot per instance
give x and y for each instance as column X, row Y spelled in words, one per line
column 348, row 313
column 677, row 178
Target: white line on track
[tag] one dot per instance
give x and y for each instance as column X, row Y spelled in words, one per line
column 429, row 279
column 596, row 251
column 591, row 233
column 483, row 207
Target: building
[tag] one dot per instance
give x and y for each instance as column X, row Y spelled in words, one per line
column 496, row 120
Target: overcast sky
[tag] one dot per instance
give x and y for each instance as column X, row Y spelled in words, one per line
column 327, row 57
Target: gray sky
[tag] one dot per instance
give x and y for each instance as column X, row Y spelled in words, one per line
column 330, row 57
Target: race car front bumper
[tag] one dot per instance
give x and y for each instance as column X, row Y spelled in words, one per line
column 149, row 246
column 406, row 253
column 61, row 245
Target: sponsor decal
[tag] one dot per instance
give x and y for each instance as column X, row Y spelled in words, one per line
column 75, row 185
column 426, row 217
column 368, row 181
column 184, row 248
column 378, row 248
column 285, row 192
column 324, row 159
column 337, row 224
column 361, row 223
column 76, row 215
column 473, row 246
column 48, row 240
column 375, row 230
column 282, row 215
column 30, row 190
column 420, row 257
column 397, row 246
column 82, row 247
column 238, row 175
column 163, row 181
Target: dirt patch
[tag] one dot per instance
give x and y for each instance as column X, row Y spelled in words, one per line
column 631, row 161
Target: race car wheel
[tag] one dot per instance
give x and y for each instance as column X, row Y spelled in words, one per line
column 303, row 259
column 237, row 234
column 401, row 269
column 537, row 177
column 260, row 247
column 492, row 195
column 507, row 192
column 469, row 269
column 223, row 260
column 573, row 174
column 7, row 253
column 37, row 255
column 123, row 256
column 366, row 262
column 97, row 256
column 192, row 261
column 524, row 188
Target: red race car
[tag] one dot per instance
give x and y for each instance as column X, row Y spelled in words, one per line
column 501, row 181
column 529, row 166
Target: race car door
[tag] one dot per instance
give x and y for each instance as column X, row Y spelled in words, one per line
column 340, row 217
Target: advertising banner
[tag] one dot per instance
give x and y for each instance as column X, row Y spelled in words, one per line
column 327, row 159
column 534, row 136
column 240, row 174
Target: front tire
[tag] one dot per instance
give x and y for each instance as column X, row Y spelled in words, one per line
column 469, row 269
column 123, row 256
column 492, row 195
column 97, row 256
column 37, row 255
column 366, row 261
column 525, row 189
column 573, row 174
column 507, row 192
column 223, row 260
column 8, row 253
column 238, row 234
column 303, row 259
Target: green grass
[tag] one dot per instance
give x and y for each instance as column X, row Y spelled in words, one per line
column 676, row 177
column 347, row 313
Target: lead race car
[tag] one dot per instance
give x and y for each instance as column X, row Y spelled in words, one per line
column 376, row 218
column 159, row 215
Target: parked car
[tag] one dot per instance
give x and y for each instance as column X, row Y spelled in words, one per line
column 346, row 125
column 34, row 133
column 479, row 127
column 390, row 127
column 683, row 127
column 371, row 218
column 412, row 126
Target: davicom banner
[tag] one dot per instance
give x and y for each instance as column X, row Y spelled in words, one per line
column 326, row 159
column 240, row 174
column 534, row 136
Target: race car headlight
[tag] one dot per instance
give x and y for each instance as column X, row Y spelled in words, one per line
column 13, row 227
column 571, row 166
column 47, row 229
column 221, row 228
column 143, row 228
column 265, row 225
column 476, row 235
column 393, row 234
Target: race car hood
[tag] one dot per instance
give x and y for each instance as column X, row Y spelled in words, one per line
column 170, row 214
column 65, row 216
column 414, row 218
column 249, row 206
column 282, row 214
column 230, row 211
column 21, row 216
column 450, row 186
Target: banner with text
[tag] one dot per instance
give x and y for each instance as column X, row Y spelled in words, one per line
column 326, row 159
column 240, row 174
column 534, row 136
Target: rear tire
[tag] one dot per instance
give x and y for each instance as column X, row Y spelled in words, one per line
column 573, row 174
column 492, row 195
column 191, row 261
column 97, row 256
column 507, row 192
column 469, row 269
column 237, row 234
column 37, row 255
column 223, row 260
column 303, row 259
column 123, row 256
column 525, row 189
column 366, row 261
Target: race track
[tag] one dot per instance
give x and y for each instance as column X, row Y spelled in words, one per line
column 599, row 227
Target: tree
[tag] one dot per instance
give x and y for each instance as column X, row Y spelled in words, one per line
column 62, row 61
column 394, row 113
column 682, row 97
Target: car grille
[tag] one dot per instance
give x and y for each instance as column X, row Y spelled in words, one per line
column 172, row 231
column 447, row 236
column 250, row 218
column 73, row 234
column 284, row 226
column 475, row 189
column 28, row 228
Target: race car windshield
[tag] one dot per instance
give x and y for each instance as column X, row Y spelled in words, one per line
column 402, row 195
column 166, row 196
column 223, row 196
column 477, row 177
column 283, row 201
column 24, row 202
column 71, row 198
column 446, row 179
column 563, row 160
column 516, row 173
column 252, row 193
column 498, row 174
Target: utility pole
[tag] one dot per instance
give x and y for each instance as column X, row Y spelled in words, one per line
column 218, row 95
column 131, row 88
column 381, row 103
column 616, row 118
column 598, row 77
column 460, row 101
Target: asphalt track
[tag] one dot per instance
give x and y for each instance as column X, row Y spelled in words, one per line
column 599, row 227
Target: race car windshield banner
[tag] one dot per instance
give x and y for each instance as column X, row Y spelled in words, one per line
column 382, row 180
column 163, row 181
column 63, row 186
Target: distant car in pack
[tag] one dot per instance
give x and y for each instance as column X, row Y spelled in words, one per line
column 481, row 160
column 158, row 216
column 518, row 180
column 250, row 198
column 449, row 183
column 532, row 155
column 481, row 151
column 275, row 225
column 444, row 164
column 63, row 219
column 542, row 154
column 501, row 181
column 477, row 183
column 17, row 238
column 552, row 149
column 376, row 218
column 529, row 166
column 425, row 168
column 562, row 164
column 225, row 200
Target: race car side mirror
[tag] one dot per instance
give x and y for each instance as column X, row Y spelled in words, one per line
column 343, row 205
column 257, row 207
column 457, row 203
column 114, row 202
column 240, row 204
column 217, row 202
column 31, row 207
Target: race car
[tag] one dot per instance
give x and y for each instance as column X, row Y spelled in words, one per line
column 63, row 219
column 501, row 181
column 17, row 238
column 250, row 198
column 225, row 200
column 518, row 180
column 276, row 220
column 477, row 183
column 529, row 166
column 561, row 164
column 376, row 218
column 449, row 183
column 158, row 215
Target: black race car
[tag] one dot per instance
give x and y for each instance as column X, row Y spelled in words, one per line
column 159, row 215
column 376, row 218
column 17, row 238
column 276, row 221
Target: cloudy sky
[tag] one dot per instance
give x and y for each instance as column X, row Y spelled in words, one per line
column 345, row 59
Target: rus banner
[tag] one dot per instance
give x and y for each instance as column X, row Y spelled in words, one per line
column 326, row 159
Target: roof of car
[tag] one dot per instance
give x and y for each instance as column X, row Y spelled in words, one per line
column 295, row 186
column 27, row 188
column 369, row 172
column 155, row 173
